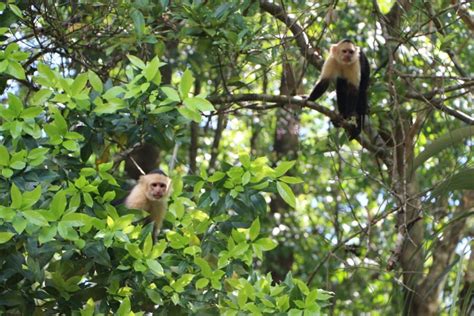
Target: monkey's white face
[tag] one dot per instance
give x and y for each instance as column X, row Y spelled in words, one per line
column 157, row 186
column 347, row 53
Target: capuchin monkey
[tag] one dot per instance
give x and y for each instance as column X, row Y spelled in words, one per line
column 151, row 194
column 348, row 66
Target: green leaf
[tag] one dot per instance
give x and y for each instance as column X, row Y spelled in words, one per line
column 71, row 145
column 147, row 245
column 218, row 175
column 134, row 251
column 40, row 97
column 7, row 172
column 199, row 103
column 31, row 112
column 186, row 83
column 171, row 93
column 158, row 249
column 88, row 199
column 443, row 142
column 184, row 280
column 462, row 180
column 47, row 73
column 79, row 84
column 138, row 22
column 283, row 167
column 47, row 234
column 202, row 283
column 204, row 265
column 5, row 237
column 136, row 61
column 16, row 70
column 162, row 109
column 190, row 114
column 4, row 156
column 60, row 122
column 113, row 92
column 291, row 180
column 254, row 229
column 15, row 105
column 283, row 303
column 125, row 308
column 36, row 218
column 3, row 65
column 238, row 250
column 15, row 10
column 16, row 197
column 17, row 165
column 246, row 178
column 385, row 5
column 151, row 69
column 286, row 193
column 155, row 267
column 245, row 160
column 19, row 224
column 324, row 295
column 109, row 108
column 66, row 231
column 266, row 244
column 31, row 197
column 95, row 81
column 58, row 204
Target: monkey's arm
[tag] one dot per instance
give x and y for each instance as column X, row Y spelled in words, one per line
column 319, row 89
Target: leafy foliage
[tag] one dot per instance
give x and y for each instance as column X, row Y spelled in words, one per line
column 66, row 248
column 271, row 201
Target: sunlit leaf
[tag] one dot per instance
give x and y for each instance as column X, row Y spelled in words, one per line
column 385, row 5
column 95, row 81
column 5, row 237
column 283, row 167
column 186, row 83
column 199, row 103
column 171, row 93
column 190, row 114
column 254, row 229
column 286, row 193
column 136, row 61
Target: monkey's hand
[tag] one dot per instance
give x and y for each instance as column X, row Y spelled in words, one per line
column 337, row 122
column 352, row 120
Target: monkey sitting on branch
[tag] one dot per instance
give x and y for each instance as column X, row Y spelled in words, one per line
column 349, row 68
column 151, row 195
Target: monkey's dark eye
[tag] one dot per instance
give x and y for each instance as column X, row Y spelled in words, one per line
column 154, row 184
column 162, row 185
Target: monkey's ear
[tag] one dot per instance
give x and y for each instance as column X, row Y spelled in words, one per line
column 333, row 48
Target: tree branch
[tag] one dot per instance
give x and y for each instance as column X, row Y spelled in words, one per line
column 301, row 37
column 380, row 152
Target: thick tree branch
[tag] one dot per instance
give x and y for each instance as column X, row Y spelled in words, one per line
column 301, row 37
column 438, row 103
column 381, row 152
column 464, row 14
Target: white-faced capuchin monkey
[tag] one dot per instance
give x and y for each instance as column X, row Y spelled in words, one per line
column 348, row 66
column 151, row 194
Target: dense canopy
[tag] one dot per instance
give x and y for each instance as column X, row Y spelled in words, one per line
column 273, row 210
